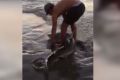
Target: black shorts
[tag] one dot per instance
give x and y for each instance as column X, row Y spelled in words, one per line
column 73, row 14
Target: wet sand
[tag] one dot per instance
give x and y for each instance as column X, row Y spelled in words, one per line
column 71, row 68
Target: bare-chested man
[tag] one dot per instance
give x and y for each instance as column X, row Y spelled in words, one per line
column 71, row 10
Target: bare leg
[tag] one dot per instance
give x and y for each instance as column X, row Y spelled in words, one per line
column 63, row 31
column 74, row 31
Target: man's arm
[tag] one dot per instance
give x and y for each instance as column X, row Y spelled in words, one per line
column 54, row 27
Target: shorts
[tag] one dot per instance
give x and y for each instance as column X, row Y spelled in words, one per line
column 73, row 14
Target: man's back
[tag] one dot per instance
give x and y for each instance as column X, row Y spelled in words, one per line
column 63, row 5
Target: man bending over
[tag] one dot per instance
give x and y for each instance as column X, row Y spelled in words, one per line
column 71, row 10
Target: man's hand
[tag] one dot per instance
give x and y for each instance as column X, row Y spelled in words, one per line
column 56, row 45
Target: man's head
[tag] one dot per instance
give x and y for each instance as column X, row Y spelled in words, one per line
column 49, row 8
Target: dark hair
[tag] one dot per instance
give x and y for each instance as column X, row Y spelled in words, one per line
column 48, row 7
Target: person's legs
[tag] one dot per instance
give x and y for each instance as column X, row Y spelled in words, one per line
column 73, row 16
column 74, row 32
column 63, row 31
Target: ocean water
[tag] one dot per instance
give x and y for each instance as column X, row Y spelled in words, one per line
column 32, row 4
